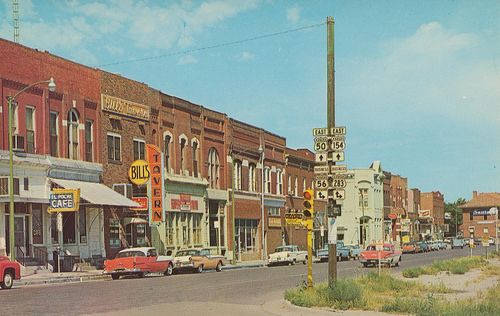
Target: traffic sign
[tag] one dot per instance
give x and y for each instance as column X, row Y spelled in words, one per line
column 321, row 194
column 338, row 130
column 321, row 157
column 322, row 169
column 323, row 131
column 338, row 194
column 337, row 183
column 320, row 145
column 338, row 145
column 321, row 184
column 337, row 156
column 338, row 169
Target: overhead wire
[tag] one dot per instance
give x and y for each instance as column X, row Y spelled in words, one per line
column 193, row 50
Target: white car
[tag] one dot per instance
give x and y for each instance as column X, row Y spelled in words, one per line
column 287, row 255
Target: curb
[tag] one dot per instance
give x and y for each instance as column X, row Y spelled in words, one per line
column 69, row 279
column 236, row 267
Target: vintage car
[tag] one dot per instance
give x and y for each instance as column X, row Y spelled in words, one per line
column 287, row 255
column 138, row 261
column 424, row 246
column 354, row 251
column 389, row 256
column 343, row 253
column 411, row 247
column 9, row 271
column 197, row 260
column 322, row 254
column 457, row 243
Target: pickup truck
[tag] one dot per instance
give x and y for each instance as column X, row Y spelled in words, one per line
column 138, row 261
column 9, row 271
column 389, row 256
column 287, row 255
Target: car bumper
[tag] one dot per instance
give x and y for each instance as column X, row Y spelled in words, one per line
column 383, row 260
column 279, row 260
column 123, row 271
column 184, row 265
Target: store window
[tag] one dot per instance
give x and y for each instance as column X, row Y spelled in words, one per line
column 247, row 234
column 274, row 211
column 169, row 229
column 114, row 233
column 82, row 225
column 197, row 229
column 54, row 233
column 69, row 232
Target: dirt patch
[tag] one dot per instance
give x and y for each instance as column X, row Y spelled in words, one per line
column 464, row 286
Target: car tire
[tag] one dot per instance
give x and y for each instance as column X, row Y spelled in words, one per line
column 170, row 270
column 218, row 268
column 365, row 264
column 305, row 261
column 115, row 276
column 8, row 281
column 199, row 269
column 397, row 262
column 140, row 275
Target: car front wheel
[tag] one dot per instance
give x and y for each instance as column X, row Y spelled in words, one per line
column 199, row 269
column 115, row 276
column 170, row 270
column 218, row 268
column 8, row 281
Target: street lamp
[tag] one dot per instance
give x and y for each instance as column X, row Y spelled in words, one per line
column 261, row 153
column 11, row 101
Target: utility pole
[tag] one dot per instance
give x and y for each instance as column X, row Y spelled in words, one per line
column 330, row 110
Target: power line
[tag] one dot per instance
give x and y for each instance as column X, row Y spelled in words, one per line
column 259, row 37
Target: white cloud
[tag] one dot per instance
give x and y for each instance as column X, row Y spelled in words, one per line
column 245, row 56
column 187, row 59
column 293, row 14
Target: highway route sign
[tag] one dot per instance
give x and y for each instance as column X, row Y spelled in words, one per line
column 338, row 183
column 321, row 184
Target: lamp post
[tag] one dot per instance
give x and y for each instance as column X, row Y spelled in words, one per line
column 11, row 101
column 261, row 152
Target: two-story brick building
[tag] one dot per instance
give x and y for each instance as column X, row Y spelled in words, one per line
column 479, row 218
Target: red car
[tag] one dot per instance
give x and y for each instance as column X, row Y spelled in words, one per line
column 389, row 256
column 138, row 261
column 9, row 271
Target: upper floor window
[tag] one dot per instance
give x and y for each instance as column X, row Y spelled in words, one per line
column 274, row 211
column 289, row 184
column 139, row 149
column 167, row 139
column 15, row 118
column 183, row 143
column 4, row 186
column 213, row 168
column 363, row 197
column 237, row 175
column 73, row 137
column 54, row 132
column 195, row 158
column 114, row 147
column 296, row 186
column 30, row 129
column 89, row 153
column 267, row 180
column 252, row 181
column 304, row 184
column 279, row 182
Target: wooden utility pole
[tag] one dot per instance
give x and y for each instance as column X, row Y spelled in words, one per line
column 332, row 246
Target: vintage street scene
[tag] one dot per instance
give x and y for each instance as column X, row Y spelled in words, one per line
column 227, row 157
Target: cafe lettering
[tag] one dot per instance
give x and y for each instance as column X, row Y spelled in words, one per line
column 64, row 200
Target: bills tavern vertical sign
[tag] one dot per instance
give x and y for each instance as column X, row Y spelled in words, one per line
column 156, row 185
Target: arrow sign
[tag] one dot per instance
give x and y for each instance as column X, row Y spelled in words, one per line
column 321, row 195
column 337, row 156
column 338, row 194
column 320, row 157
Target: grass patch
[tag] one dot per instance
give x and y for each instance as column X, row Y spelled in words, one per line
column 454, row 266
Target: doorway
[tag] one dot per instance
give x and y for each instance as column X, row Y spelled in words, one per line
column 21, row 240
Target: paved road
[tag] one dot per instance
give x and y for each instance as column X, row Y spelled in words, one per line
column 226, row 291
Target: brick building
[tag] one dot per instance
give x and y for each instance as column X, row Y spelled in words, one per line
column 396, row 203
column 431, row 215
column 57, row 144
column 479, row 218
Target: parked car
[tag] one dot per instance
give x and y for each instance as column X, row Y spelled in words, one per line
column 491, row 240
column 448, row 240
column 424, row 246
column 343, row 253
column 138, row 261
column 197, row 260
column 457, row 243
column 442, row 245
column 322, row 254
column 434, row 245
column 9, row 271
column 389, row 256
column 355, row 251
column 287, row 255
column 410, row 247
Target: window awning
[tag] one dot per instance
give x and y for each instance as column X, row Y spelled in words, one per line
column 134, row 220
column 96, row 193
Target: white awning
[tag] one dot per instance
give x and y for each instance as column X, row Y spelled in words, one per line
column 96, row 193
column 134, row 220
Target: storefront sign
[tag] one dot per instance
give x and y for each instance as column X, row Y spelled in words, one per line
column 124, row 107
column 405, row 225
column 480, row 212
column 64, row 200
column 426, row 213
column 392, row 216
column 138, row 172
column 274, row 221
column 156, row 185
column 184, row 203
column 142, row 201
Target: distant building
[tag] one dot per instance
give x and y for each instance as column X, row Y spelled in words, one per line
column 413, row 208
column 396, row 206
column 362, row 210
column 478, row 215
column 431, row 216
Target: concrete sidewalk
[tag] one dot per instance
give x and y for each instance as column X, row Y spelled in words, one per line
column 47, row 277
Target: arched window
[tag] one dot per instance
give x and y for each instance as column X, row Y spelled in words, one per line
column 213, row 168
column 279, row 182
column 167, row 139
column 73, row 137
column 296, row 187
column 252, row 180
column 267, row 179
column 237, row 174
column 195, row 150
column 183, row 144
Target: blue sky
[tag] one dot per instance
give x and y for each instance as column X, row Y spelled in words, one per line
column 417, row 82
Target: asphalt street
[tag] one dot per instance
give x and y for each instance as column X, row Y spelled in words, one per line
column 246, row 287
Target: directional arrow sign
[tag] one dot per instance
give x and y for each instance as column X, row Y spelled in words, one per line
column 338, row 194
column 321, row 194
column 321, row 157
column 337, row 156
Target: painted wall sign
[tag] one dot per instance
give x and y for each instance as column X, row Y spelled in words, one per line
column 138, row 172
column 142, row 201
column 156, row 188
column 184, row 203
column 480, row 212
column 64, row 200
column 124, row 107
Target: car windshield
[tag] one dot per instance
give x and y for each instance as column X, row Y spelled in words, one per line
column 130, row 253
column 281, row 249
column 190, row 252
